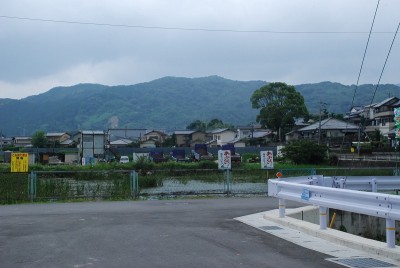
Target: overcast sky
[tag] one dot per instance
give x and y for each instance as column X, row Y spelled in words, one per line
column 133, row 41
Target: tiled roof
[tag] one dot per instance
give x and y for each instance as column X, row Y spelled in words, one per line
column 330, row 123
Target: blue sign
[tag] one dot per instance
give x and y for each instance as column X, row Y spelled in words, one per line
column 305, row 195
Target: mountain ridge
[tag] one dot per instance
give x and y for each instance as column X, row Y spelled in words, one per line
column 168, row 102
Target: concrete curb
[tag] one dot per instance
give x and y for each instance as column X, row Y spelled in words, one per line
column 352, row 241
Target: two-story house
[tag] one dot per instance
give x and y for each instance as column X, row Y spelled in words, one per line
column 22, row 141
column 55, row 139
column 153, row 138
column 222, row 136
column 92, row 144
column 380, row 116
column 188, row 138
column 375, row 117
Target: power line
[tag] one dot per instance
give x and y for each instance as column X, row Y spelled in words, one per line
column 384, row 65
column 183, row 28
column 359, row 73
column 365, row 52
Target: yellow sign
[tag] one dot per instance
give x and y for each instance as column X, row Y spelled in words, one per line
column 19, row 162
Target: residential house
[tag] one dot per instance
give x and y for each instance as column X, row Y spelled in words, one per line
column 381, row 116
column 92, row 144
column 154, row 135
column 133, row 134
column 375, row 117
column 188, row 138
column 22, row 141
column 254, row 133
column 329, row 131
column 222, row 136
column 4, row 141
column 120, row 143
column 58, row 139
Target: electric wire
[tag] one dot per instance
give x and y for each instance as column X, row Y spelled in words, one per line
column 382, row 71
column 183, row 28
column 384, row 65
column 359, row 73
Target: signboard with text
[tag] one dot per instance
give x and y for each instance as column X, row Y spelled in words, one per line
column 19, row 162
column 397, row 122
column 267, row 159
column 224, row 159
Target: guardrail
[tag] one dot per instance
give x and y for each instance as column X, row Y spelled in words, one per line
column 340, row 193
column 353, row 157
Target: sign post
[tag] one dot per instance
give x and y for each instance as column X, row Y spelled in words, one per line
column 225, row 163
column 267, row 160
column 19, row 162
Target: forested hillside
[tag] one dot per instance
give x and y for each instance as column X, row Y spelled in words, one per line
column 169, row 103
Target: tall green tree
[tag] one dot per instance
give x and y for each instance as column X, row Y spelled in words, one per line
column 218, row 123
column 197, row 125
column 279, row 105
column 39, row 139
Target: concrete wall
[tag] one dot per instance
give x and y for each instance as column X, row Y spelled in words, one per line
column 357, row 224
column 308, row 214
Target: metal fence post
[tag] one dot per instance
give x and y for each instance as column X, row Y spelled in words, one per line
column 32, row 186
column 134, row 184
column 227, row 181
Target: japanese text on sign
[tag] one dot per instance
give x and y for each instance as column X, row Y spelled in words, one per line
column 267, row 159
column 19, row 162
column 224, row 159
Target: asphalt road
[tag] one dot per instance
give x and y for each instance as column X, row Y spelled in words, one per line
column 159, row 233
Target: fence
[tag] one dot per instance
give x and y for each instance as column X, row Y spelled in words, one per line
column 323, row 192
column 127, row 184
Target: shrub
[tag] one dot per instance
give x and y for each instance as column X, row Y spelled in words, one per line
column 305, row 152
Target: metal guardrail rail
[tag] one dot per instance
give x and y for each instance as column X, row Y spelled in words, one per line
column 342, row 193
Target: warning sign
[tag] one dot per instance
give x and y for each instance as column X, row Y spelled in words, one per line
column 224, row 159
column 19, row 162
column 267, row 159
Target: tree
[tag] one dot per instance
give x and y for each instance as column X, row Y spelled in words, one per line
column 39, row 139
column 197, row 125
column 215, row 123
column 279, row 105
column 170, row 141
column 203, row 125
column 218, row 123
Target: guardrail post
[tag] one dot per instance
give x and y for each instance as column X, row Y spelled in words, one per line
column 374, row 185
column 282, row 208
column 322, row 218
column 390, row 233
column 341, row 183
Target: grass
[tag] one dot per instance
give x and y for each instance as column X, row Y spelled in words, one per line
column 111, row 181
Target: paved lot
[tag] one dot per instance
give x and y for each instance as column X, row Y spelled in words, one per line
column 160, row 233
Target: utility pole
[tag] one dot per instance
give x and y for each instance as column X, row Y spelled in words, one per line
column 359, row 137
column 319, row 127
